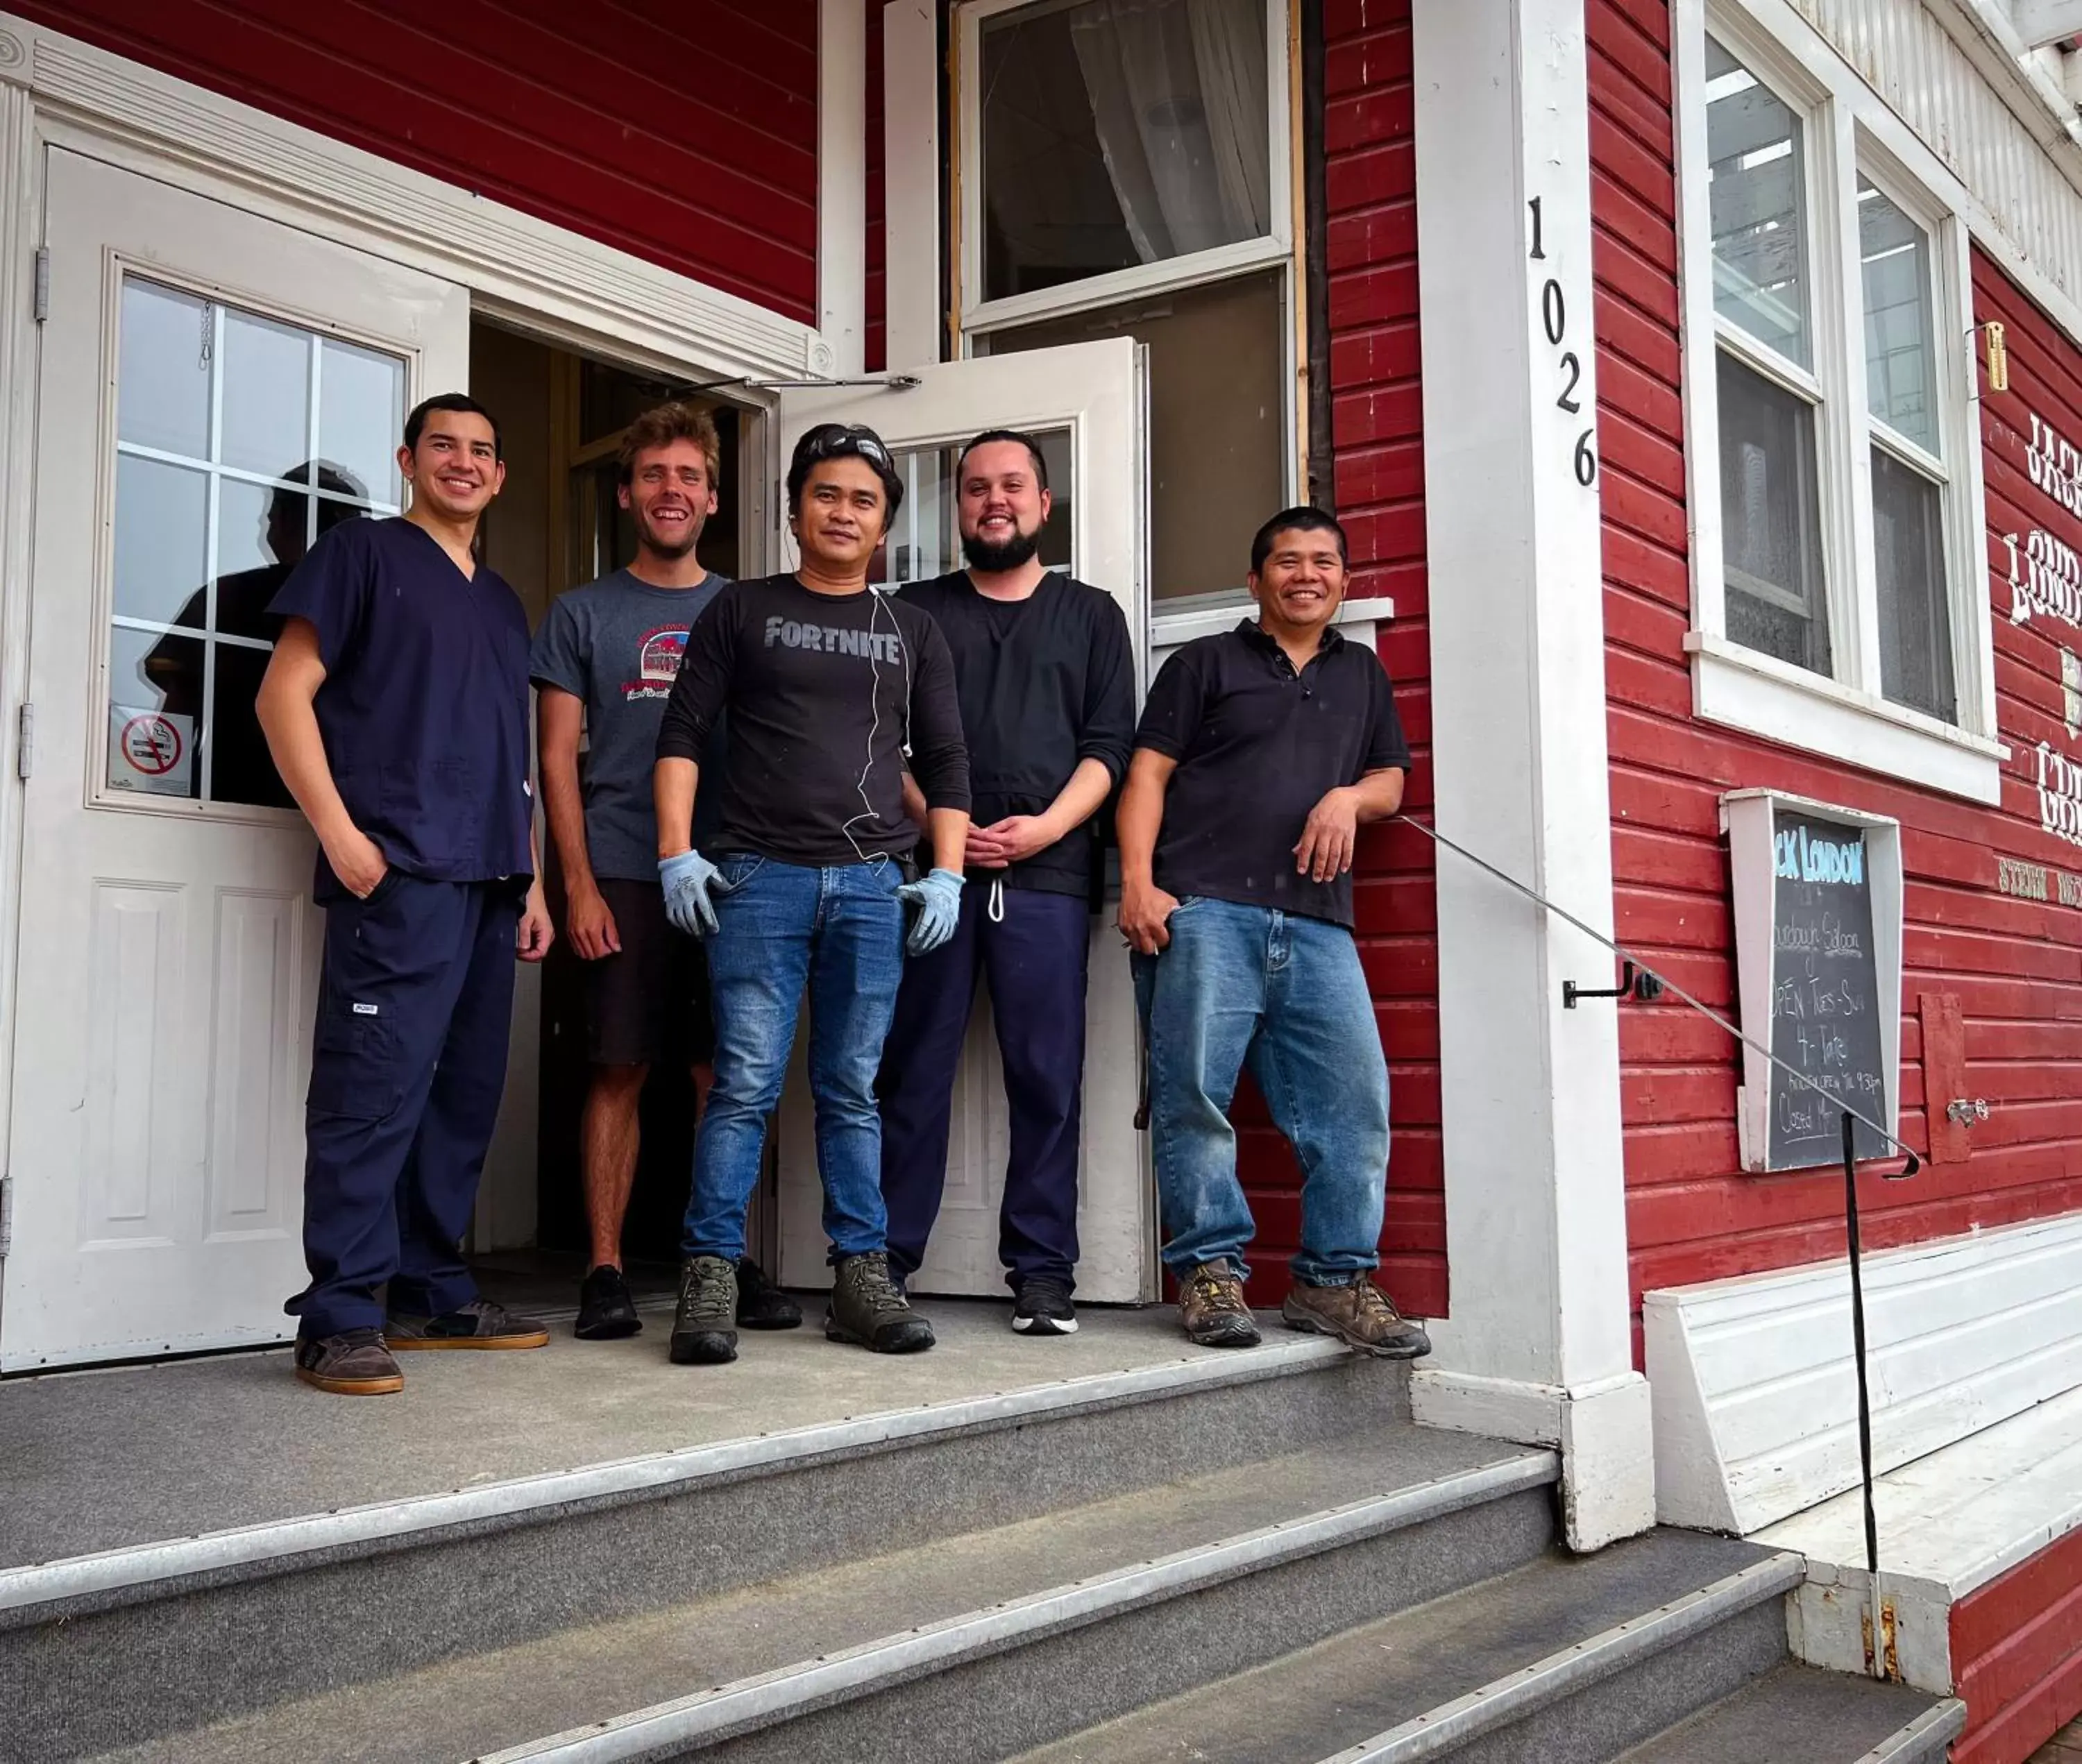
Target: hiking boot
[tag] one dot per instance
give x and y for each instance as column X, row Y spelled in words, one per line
column 1357, row 1313
column 480, row 1324
column 760, row 1304
column 869, row 1308
column 353, row 1363
column 607, row 1309
column 705, row 1326
column 1043, row 1307
column 1211, row 1308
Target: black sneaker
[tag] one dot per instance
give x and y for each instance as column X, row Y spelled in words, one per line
column 869, row 1310
column 760, row 1304
column 705, row 1326
column 480, row 1324
column 607, row 1309
column 1043, row 1307
column 353, row 1363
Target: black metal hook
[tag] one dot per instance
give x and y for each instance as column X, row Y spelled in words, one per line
column 1637, row 983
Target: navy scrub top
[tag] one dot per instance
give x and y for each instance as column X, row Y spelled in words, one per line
column 424, row 705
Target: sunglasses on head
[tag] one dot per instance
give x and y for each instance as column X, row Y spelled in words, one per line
column 832, row 440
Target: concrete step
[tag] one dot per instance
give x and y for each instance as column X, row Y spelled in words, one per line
column 1799, row 1716
column 1564, row 1658
column 372, row 1590
column 971, row 1645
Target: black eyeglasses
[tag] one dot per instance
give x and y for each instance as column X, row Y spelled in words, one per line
column 830, row 440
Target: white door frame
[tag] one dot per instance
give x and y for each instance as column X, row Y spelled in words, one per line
column 58, row 90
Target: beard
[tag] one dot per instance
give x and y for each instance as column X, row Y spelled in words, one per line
column 992, row 558
column 654, row 540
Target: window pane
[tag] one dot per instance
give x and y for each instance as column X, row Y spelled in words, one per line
column 361, row 418
column 240, row 770
column 1217, row 441
column 1770, row 520
column 1915, row 620
column 1759, row 255
column 267, row 395
column 161, row 559
column 164, row 398
column 1900, row 358
column 154, row 693
column 1121, row 132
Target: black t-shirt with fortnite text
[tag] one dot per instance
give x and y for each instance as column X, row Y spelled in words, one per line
column 825, row 693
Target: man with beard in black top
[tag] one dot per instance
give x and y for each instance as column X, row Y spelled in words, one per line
column 1047, row 681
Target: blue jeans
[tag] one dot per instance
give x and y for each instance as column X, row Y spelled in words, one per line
column 1253, row 986
column 840, row 928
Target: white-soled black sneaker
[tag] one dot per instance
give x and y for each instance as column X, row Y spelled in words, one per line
column 1043, row 1307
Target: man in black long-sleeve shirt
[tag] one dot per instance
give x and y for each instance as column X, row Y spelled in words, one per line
column 1046, row 680
column 824, row 684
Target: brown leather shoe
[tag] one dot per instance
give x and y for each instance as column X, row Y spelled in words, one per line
column 1357, row 1313
column 1211, row 1308
column 355, row 1363
column 481, row 1323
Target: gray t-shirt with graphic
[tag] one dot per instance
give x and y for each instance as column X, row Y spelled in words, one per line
column 616, row 645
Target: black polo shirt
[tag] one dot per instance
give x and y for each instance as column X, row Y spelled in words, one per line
column 1259, row 746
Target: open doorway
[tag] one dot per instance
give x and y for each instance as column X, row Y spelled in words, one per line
column 558, row 525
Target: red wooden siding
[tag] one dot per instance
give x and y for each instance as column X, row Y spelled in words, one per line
column 686, row 133
column 2015, row 965
column 1371, row 183
column 2016, row 1655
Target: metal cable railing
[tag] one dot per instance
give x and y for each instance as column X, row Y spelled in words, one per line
column 1852, row 1120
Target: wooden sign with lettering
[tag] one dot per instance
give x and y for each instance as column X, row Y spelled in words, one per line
column 1824, row 995
column 1817, row 901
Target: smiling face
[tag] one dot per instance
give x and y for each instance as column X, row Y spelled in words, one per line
column 670, row 493
column 840, row 517
column 1302, row 581
column 455, row 469
column 1002, row 506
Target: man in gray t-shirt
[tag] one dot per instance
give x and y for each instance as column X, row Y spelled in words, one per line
column 604, row 663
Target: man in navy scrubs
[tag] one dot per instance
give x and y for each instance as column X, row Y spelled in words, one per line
column 396, row 707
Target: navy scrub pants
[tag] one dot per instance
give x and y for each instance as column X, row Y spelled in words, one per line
column 1035, row 960
column 407, row 1067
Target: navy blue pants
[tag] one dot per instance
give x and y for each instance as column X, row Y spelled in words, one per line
column 1034, row 961
column 407, row 1066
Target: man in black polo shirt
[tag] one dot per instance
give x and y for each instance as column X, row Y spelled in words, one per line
column 1046, row 680
column 1260, row 753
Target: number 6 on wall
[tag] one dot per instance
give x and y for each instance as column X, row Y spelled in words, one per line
column 1586, row 461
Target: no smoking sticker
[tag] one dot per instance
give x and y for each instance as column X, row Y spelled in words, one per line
column 151, row 751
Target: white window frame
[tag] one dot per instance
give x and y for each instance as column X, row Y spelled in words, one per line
column 1848, row 132
column 978, row 318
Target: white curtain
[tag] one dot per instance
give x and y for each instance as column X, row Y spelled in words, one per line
column 1178, row 95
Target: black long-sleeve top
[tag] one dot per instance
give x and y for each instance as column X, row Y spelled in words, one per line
column 1045, row 682
column 824, row 693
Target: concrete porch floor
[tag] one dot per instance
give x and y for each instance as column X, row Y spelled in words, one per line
column 99, row 1460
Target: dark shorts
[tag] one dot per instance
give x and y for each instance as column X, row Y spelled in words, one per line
column 649, row 1003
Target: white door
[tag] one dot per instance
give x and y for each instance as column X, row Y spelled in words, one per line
column 1084, row 402
column 216, row 390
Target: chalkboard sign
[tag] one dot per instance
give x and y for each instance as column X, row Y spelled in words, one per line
column 1828, row 999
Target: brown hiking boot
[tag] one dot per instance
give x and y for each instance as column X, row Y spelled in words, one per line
column 869, row 1310
column 1211, row 1307
column 354, row 1363
column 1357, row 1313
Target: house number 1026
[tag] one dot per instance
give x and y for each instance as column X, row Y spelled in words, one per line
column 1554, row 322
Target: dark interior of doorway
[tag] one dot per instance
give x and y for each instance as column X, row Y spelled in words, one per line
column 557, row 525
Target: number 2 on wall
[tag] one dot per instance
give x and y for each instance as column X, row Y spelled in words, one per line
column 1554, row 322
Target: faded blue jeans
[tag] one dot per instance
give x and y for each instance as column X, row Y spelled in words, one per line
column 1284, row 995
column 841, row 929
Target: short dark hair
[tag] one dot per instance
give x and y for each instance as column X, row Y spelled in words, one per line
column 1303, row 519
column 844, row 440
column 416, row 424
column 661, row 426
column 1017, row 438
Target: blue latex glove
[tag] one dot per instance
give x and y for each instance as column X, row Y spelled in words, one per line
column 686, row 880
column 938, row 899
